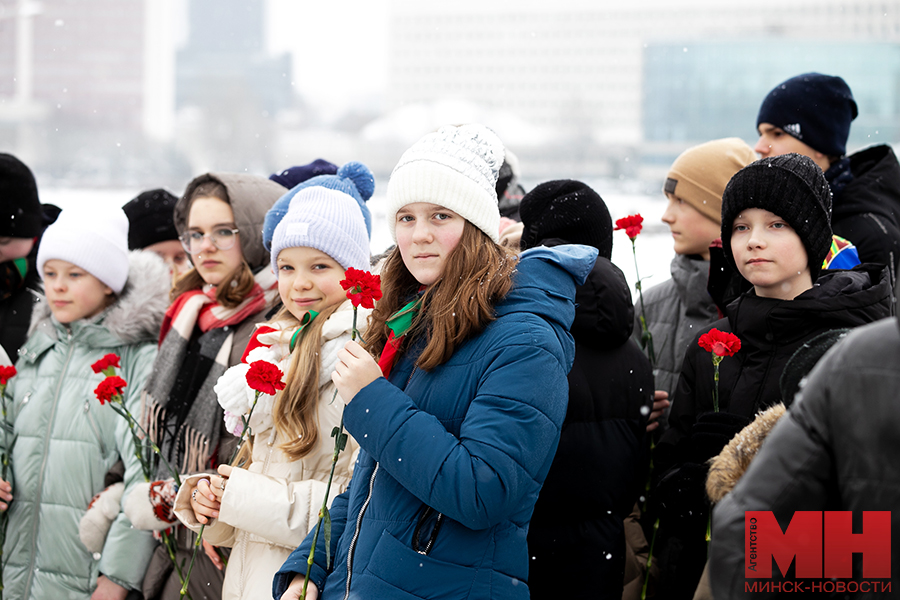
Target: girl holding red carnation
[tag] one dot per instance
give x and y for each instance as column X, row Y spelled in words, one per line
column 102, row 305
column 267, row 500
column 456, row 399
column 776, row 230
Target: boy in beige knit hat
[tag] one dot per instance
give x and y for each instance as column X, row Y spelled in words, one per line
column 677, row 309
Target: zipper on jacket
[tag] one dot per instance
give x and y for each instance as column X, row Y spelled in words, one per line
column 90, row 418
column 362, row 511
column 40, row 485
column 359, row 519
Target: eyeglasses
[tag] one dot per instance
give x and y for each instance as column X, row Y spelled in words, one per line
column 223, row 239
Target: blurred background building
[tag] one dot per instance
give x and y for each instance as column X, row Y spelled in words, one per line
column 141, row 93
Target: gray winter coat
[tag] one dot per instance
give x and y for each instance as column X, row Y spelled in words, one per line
column 675, row 311
column 67, row 442
column 834, row 450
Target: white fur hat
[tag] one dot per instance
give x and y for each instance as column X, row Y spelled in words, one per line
column 96, row 241
column 454, row 167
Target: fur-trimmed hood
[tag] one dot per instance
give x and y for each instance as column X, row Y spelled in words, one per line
column 730, row 465
column 136, row 315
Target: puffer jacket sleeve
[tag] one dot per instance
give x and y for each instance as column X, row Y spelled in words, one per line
column 512, row 426
column 127, row 550
column 790, row 473
column 296, row 563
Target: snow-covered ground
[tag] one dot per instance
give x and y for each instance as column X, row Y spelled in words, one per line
column 654, row 244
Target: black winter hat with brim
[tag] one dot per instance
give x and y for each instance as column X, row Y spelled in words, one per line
column 569, row 210
column 791, row 186
column 20, row 210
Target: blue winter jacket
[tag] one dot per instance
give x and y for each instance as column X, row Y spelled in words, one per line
column 472, row 439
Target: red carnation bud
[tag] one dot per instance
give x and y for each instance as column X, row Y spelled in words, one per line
column 264, row 377
column 362, row 287
column 7, row 373
column 720, row 343
column 632, row 224
column 110, row 360
column 109, row 388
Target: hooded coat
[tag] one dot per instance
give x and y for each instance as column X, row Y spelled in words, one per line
column 833, row 451
column 867, row 210
column 601, row 451
column 250, row 197
column 67, row 441
column 452, row 459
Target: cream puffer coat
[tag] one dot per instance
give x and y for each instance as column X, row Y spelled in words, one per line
column 268, row 508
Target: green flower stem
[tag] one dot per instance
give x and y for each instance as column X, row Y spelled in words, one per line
column 339, row 442
column 716, row 360
column 5, row 459
column 649, row 561
column 646, row 336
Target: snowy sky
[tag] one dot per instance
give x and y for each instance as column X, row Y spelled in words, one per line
column 331, row 65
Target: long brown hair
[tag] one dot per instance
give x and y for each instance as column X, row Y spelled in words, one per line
column 232, row 290
column 456, row 307
column 295, row 409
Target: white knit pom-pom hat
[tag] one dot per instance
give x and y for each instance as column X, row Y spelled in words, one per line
column 453, row 167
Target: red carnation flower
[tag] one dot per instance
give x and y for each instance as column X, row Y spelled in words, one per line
column 109, row 388
column 264, row 377
column 110, row 360
column 632, row 224
column 720, row 343
column 7, row 373
column 362, row 287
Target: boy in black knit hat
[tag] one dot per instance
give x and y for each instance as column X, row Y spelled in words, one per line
column 810, row 114
column 776, row 231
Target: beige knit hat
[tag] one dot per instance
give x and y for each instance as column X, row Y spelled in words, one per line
column 454, row 167
column 700, row 174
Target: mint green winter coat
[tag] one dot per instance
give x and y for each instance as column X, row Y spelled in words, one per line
column 67, row 442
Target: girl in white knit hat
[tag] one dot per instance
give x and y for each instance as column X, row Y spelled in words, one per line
column 457, row 397
column 265, row 504
column 99, row 300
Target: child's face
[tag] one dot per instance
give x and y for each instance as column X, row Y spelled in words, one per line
column 214, row 216
column 72, row 292
column 309, row 279
column 173, row 254
column 770, row 255
column 691, row 231
column 426, row 235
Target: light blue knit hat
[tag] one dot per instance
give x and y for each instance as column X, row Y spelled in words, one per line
column 354, row 178
column 327, row 220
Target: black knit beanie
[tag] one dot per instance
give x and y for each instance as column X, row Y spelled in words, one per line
column 791, row 186
column 20, row 209
column 814, row 108
column 151, row 219
column 569, row 210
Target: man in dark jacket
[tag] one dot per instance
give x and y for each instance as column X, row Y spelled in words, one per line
column 810, row 114
column 576, row 540
column 22, row 221
column 818, row 458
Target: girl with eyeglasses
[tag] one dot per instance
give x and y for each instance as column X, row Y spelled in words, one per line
column 214, row 308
